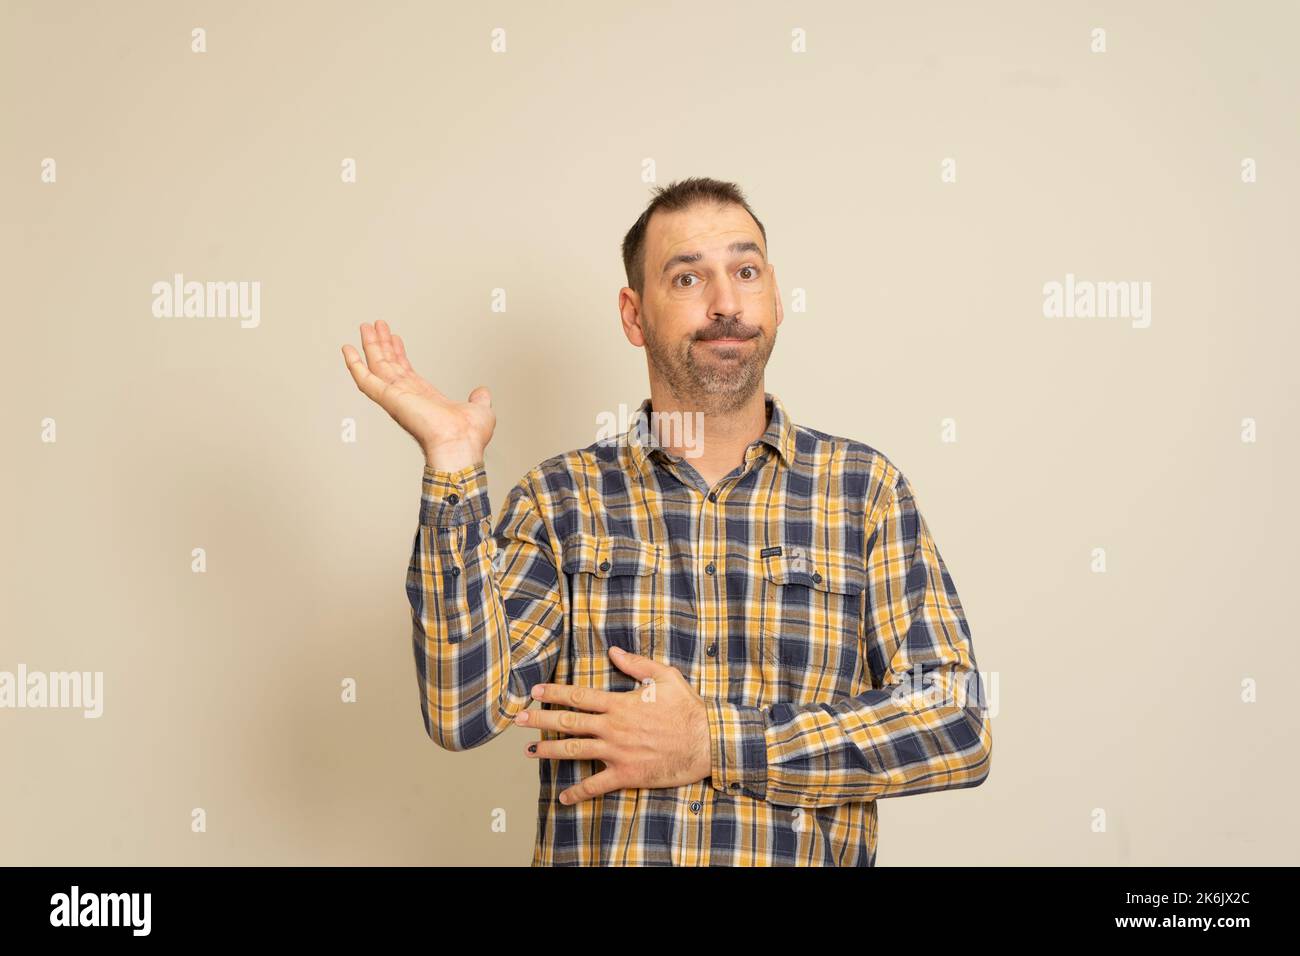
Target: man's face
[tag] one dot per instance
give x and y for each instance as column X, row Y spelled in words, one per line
column 709, row 312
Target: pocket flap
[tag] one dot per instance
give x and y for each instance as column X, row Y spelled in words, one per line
column 609, row 555
column 817, row 569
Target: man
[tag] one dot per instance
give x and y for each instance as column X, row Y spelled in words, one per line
column 741, row 635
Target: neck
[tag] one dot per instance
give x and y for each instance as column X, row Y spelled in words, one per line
column 713, row 439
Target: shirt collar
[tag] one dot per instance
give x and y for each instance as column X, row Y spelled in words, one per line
column 779, row 434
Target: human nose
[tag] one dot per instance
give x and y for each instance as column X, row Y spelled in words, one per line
column 725, row 302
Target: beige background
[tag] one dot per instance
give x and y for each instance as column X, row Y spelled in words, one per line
column 1119, row 691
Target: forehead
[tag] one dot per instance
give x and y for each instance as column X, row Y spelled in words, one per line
column 703, row 227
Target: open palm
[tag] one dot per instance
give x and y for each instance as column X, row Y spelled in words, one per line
column 453, row 434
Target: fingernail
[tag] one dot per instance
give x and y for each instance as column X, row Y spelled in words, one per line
column 522, row 718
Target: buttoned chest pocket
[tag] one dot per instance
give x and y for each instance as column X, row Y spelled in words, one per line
column 812, row 625
column 615, row 584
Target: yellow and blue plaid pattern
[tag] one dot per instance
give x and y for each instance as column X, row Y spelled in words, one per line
column 802, row 597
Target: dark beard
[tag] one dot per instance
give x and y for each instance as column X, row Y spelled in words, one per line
column 703, row 386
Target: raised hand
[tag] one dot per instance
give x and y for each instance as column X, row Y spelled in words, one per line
column 453, row 434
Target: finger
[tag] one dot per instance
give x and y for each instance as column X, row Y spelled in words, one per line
column 386, row 341
column 593, row 786
column 399, row 348
column 375, row 354
column 638, row 666
column 575, row 695
column 371, row 385
column 564, row 721
column 569, row 748
column 481, row 396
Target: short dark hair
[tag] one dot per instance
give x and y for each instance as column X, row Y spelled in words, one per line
column 679, row 195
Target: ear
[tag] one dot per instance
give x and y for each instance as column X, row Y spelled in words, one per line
column 629, row 310
column 780, row 308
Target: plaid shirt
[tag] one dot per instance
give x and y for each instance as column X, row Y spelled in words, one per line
column 802, row 597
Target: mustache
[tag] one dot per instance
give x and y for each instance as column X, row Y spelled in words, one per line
column 726, row 330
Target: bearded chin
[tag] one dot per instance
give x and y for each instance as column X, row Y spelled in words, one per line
column 720, row 388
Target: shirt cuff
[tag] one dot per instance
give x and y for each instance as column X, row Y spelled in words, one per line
column 738, row 742
column 450, row 499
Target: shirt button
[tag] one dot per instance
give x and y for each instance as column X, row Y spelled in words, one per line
column 452, row 499
column 604, row 565
column 695, row 806
column 817, row 578
column 713, row 496
column 712, row 650
column 735, row 786
column 455, row 572
column 709, row 569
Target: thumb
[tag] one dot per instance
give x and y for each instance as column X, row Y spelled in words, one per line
column 481, row 396
column 634, row 664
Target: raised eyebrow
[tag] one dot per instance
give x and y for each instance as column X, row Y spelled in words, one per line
column 690, row 258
